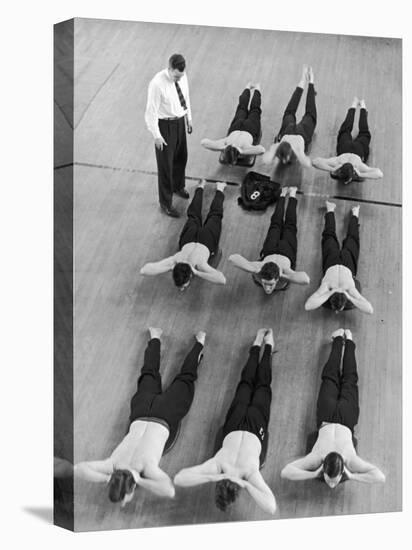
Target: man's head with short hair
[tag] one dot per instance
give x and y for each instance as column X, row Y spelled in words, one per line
column 345, row 174
column 285, row 153
column 226, row 493
column 182, row 273
column 333, row 468
column 338, row 301
column 230, row 155
column 269, row 276
column 177, row 66
column 121, row 486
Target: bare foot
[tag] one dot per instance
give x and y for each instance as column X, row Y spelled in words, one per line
column 339, row 332
column 362, row 104
column 355, row 102
column 202, row 184
column 355, row 210
column 292, row 191
column 201, row 337
column 311, row 76
column 269, row 341
column 155, row 332
column 256, row 86
column 304, row 77
column 348, row 334
column 249, row 85
column 220, row 186
column 259, row 337
column 330, row 206
column 284, row 191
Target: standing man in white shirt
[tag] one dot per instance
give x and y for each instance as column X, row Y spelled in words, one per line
column 167, row 115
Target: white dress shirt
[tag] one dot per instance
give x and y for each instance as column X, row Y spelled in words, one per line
column 163, row 101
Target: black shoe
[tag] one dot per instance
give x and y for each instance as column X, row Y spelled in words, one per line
column 182, row 193
column 170, row 211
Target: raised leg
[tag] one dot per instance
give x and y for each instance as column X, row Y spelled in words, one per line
column 348, row 407
column 330, row 243
column 275, row 229
column 253, row 121
column 149, row 383
column 364, row 136
column 351, row 245
column 209, row 235
column 176, row 400
column 345, row 132
column 194, row 219
column 308, row 122
column 262, row 396
column 289, row 116
column 330, row 386
column 241, row 110
column 288, row 245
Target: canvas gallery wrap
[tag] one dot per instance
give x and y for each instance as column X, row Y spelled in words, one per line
column 227, row 289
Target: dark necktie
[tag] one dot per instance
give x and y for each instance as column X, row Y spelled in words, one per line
column 181, row 98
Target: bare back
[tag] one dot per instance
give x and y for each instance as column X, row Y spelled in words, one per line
column 342, row 159
column 239, row 455
column 282, row 262
column 339, row 277
column 195, row 254
column 142, row 446
column 334, row 438
column 297, row 143
column 239, row 139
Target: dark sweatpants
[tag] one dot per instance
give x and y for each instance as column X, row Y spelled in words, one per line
column 359, row 145
column 172, row 404
column 250, row 408
column 306, row 126
column 248, row 120
column 208, row 233
column 332, row 254
column 171, row 160
column 338, row 399
column 281, row 237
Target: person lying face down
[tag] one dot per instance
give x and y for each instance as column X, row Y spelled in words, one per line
column 292, row 142
column 245, row 128
column 333, row 457
column 235, row 465
column 352, row 154
column 279, row 252
column 197, row 243
column 339, row 266
column 154, row 415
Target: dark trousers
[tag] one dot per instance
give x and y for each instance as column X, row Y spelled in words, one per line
column 172, row 404
column 338, row 399
column 307, row 125
column 209, row 232
column 248, row 120
column 281, row 237
column 359, row 145
column 250, row 408
column 332, row 254
column 171, row 160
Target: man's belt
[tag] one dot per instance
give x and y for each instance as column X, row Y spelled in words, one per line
column 172, row 118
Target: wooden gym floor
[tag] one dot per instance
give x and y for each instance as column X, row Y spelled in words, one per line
column 118, row 227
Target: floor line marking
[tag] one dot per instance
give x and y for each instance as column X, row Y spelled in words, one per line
column 194, row 178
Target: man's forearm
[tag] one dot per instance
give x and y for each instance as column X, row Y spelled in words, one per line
column 264, row 499
column 83, row 471
column 297, row 474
